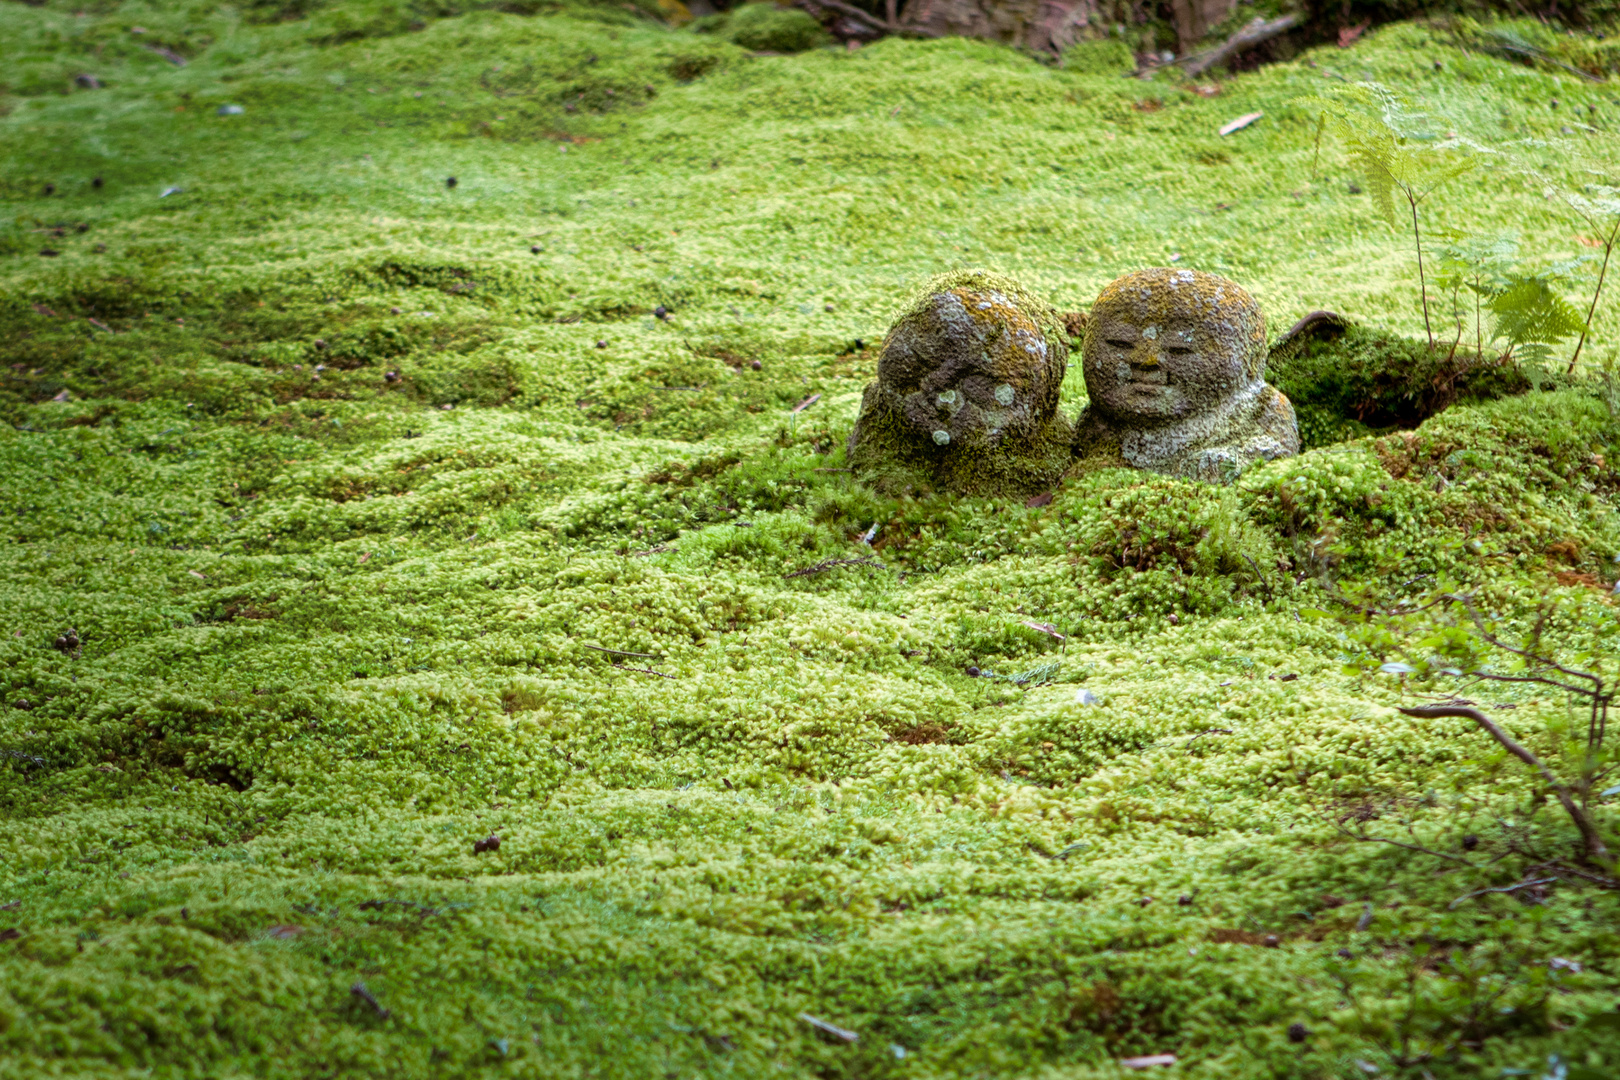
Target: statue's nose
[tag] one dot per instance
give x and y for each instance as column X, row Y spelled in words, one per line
column 1147, row 355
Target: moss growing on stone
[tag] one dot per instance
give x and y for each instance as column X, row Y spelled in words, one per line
column 1175, row 365
column 966, row 398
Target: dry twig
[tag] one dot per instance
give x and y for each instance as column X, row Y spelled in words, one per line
column 643, row 670
column 621, row 652
column 1515, row 887
column 1257, row 32
column 828, row 564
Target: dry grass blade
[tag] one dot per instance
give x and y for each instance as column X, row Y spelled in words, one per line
column 834, row 1030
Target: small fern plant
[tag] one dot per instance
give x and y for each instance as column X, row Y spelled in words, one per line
column 1533, row 318
column 1481, row 264
column 1598, row 206
column 1391, row 143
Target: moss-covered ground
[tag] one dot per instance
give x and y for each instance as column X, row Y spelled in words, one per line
column 387, row 517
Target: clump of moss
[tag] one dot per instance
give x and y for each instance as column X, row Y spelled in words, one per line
column 1348, row 380
column 765, row 27
column 1535, row 43
column 613, row 606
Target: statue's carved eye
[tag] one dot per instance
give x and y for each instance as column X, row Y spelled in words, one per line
column 1178, row 350
column 1118, row 344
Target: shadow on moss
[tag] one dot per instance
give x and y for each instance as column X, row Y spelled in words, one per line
column 1346, row 380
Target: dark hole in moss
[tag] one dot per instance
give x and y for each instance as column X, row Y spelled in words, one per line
column 1346, row 380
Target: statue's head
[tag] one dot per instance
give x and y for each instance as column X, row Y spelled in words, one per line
column 1166, row 344
column 975, row 361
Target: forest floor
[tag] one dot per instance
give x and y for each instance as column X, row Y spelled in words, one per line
column 387, row 518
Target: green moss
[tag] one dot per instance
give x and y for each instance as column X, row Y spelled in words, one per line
column 766, row 27
column 1360, row 381
column 331, row 633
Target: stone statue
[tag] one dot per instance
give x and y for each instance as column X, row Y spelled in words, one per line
column 1175, row 366
column 966, row 398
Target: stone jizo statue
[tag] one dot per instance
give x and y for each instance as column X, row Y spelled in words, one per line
column 1175, row 364
column 966, row 398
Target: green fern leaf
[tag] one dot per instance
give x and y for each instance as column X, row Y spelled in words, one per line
column 1529, row 313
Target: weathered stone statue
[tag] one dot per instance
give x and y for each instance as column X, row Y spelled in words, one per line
column 966, row 398
column 1175, row 366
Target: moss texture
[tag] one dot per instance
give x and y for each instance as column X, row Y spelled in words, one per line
column 765, row 27
column 966, row 398
column 355, row 475
column 1357, row 381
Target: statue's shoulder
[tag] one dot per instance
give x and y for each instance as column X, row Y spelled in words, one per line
column 1275, row 420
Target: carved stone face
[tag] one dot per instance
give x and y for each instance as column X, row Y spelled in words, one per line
column 970, row 368
column 1163, row 345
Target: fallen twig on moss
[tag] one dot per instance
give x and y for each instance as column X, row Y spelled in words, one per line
column 1257, row 32
column 842, row 1034
column 643, row 670
column 622, row 652
column 829, row 564
column 378, row 905
column 1505, row 46
column 359, row 990
column 1515, row 887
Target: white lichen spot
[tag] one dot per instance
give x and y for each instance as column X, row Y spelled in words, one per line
column 948, row 398
column 941, row 438
column 1004, row 394
column 1151, row 333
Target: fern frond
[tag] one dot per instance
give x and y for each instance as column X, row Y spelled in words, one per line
column 1387, row 140
column 1530, row 313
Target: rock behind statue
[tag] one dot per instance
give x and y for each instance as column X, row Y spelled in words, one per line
column 966, row 398
column 1174, row 363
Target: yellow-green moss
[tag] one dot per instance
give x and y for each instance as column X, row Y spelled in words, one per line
column 331, row 633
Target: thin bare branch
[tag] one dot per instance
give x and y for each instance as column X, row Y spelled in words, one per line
column 1362, row 837
column 621, row 652
column 642, row 670
column 1515, row 887
column 1595, row 848
column 1479, row 624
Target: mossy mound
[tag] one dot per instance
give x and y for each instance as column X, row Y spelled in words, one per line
column 765, row 27
column 1347, row 380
